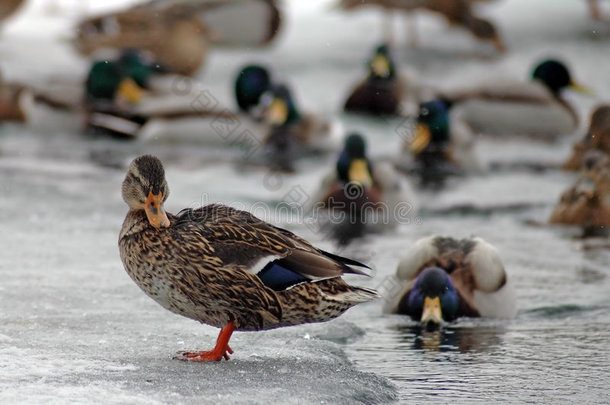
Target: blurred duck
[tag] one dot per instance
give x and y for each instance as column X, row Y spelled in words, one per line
column 382, row 91
column 440, row 147
column 594, row 10
column 597, row 137
column 367, row 196
column 533, row 108
column 458, row 13
column 442, row 279
column 583, row 206
column 179, row 33
column 175, row 37
column 289, row 133
column 8, row 8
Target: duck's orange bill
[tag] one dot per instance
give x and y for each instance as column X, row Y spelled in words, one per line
column 421, row 139
column 129, row 90
column 577, row 87
column 277, row 112
column 432, row 311
column 154, row 210
column 359, row 173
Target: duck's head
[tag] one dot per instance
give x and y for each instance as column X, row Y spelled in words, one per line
column 353, row 165
column 433, row 298
column 432, row 126
column 145, row 188
column 381, row 65
column 555, row 75
column 107, row 80
column 279, row 106
column 139, row 66
column 251, row 83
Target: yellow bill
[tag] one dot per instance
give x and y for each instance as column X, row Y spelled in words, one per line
column 277, row 112
column 155, row 212
column 581, row 89
column 380, row 66
column 432, row 311
column 359, row 173
column 421, row 139
column 129, row 90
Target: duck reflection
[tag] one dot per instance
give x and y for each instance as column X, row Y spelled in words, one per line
column 451, row 339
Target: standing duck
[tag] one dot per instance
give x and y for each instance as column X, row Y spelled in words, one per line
column 225, row 267
column 441, row 279
column 382, row 91
column 533, row 108
column 597, row 137
column 459, row 13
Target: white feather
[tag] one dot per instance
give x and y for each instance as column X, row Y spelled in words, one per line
column 422, row 251
column 486, row 266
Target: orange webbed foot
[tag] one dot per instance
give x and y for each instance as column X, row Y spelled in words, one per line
column 208, row 355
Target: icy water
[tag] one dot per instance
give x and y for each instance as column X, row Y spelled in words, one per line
column 75, row 329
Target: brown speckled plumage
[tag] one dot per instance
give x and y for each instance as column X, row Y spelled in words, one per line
column 203, row 265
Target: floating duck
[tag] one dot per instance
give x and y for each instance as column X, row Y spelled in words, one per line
column 457, row 12
column 361, row 196
column 225, row 267
column 382, row 91
column 533, row 108
column 597, row 137
column 441, row 279
column 585, row 207
column 289, row 133
column 440, row 148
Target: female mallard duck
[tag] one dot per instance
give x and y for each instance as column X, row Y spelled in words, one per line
column 175, row 37
column 366, row 195
column 457, row 12
column 225, row 267
column 532, row 108
column 442, row 279
column 382, row 91
column 440, row 146
column 597, row 137
column 589, row 209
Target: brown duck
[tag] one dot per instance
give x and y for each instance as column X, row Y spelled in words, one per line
column 225, row 267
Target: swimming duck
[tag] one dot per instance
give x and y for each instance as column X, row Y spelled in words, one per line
column 440, row 147
column 288, row 133
column 585, row 207
column 441, row 279
column 225, row 267
column 382, row 91
column 532, row 108
column 597, row 137
column 457, row 12
column 367, row 196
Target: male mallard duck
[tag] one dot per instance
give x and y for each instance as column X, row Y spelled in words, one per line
column 440, row 147
column 456, row 12
column 587, row 208
column 369, row 196
column 520, row 108
column 225, row 267
column 597, row 137
column 289, row 133
column 382, row 91
column 443, row 278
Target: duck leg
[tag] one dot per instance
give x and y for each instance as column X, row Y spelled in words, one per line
column 220, row 351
